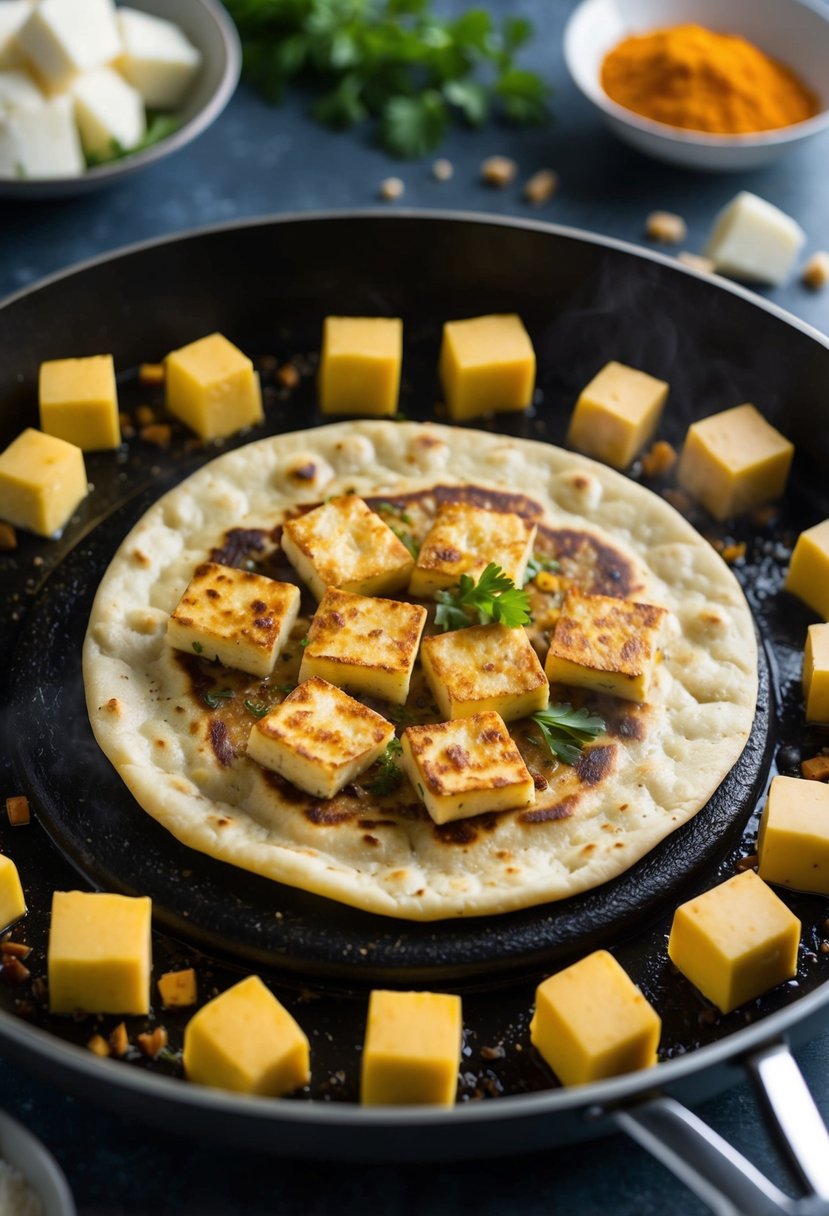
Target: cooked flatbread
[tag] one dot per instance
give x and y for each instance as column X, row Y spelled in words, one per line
column 181, row 749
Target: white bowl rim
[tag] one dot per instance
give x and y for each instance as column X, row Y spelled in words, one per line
column 54, row 1192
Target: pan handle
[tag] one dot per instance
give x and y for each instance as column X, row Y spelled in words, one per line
column 715, row 1171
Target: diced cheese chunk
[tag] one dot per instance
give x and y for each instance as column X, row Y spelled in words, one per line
column 360, row 365
column 100, row 953
column 486, row 667
column 607, row 645
column 466, row 767
column 12, row 15
column 238, row 617
column 486, row 364
column 816, row 673
column 464, row 540
column 158, row 59
column 41, row 142
column 18, row 91
column 412, row 1049
column 244, row 1040
column 109, row 111
column 319, row 738
column 735, row 941
column 592, row 1022
column 178, row 989
column 808, row 573
column 734, row 461
column 61, row 39
column 42, row 480
column 364, row 644
column 79, row 401
column 793, row 842
column 12, row 900
column 343, row 543
column 212, row 387
column 754, row 240
column 617, row 414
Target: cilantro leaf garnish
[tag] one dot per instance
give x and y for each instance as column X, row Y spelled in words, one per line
column 494, row 597
column 566, row 730
column 388, row 775
column 197, row 646
column 253, row 707
column 536, row 564
column 212, row 699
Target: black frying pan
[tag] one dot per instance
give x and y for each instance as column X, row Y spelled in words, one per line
column 267, row 286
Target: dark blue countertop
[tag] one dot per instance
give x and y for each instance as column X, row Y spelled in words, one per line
column 253, row 162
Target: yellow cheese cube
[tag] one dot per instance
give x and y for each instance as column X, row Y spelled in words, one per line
column 343, row 543
column 245, row 1041
column 42, row 480
column 360, row 365
column 364, row 644
column 412, row 1049
column 178, row 989
column 464, row 540
column 485, row 667
column 466, row 767
column 793, row 843
column 79, row 401
column 12, row 900
column 735, row 941
column 100, row 953
column 319, row 738
column 808, row 573
column 734, row 461
column 605, row 644
column 212, row 387
column 592, row 1022
column 486, row 364
column 238, row 617
column 616, row 414
column 816, row 673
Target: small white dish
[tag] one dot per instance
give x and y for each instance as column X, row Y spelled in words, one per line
column 795, row 32
column 25, row 1153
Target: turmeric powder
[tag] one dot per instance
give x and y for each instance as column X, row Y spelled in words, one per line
column 689, row 76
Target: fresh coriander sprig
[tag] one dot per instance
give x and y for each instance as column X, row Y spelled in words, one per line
column 566, row 730
column 388, row 775
column 494, row 597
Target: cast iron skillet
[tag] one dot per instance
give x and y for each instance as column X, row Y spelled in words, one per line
column 267, row 286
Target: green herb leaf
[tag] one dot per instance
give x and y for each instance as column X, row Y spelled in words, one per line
column 566, row 730
column 471, row 99
column 523, row 95
column 389, row 775
column 412, row 126
column 253, row 707
column 305, row 642
column 407, row 539
column 494, row 597
column 536, row 564
column 197, row 646
column 159, row 126
column 214, row 698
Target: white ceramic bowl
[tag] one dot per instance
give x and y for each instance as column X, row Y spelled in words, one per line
column 796, row 32
column 30, row 1158
column 209, row 28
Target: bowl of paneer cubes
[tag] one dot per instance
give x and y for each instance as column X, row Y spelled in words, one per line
column 92, row 91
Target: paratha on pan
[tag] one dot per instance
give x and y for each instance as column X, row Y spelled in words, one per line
column 180, row 749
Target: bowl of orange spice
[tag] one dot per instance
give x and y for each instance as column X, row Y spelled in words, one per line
column 710, row 84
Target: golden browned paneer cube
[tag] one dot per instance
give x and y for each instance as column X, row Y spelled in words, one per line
column 793, row 843
column 592, row 1022
column 343, row 543
column 364, row 644
column 816, row 673
column 486, row 364
column 735, row 941
column 464, row 540
column 79, row 401
column 360, row 365
column 607, row 645
column 240, row 618
column 412, row 1049
column 212, row 387
column 617, row 414
column 100, row 953
column 485, row 667
column 12, row 900
column 466, row 767
column 808, row 573
column 245, row 1041
column 734, row 461
column 42, row 480
column 319, row 738
column 178, row 989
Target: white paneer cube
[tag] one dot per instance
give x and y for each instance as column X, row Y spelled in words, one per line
column 365, row 644
column 466, row 767
column 464, row 540
column 319, row 738
column 18, row 91
column 158, row 60
column 41, row 143
column 754, row 240
column 486, row 667
column 12, row 15
column 62, row 38
column 238, row 617
column 109, row 111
